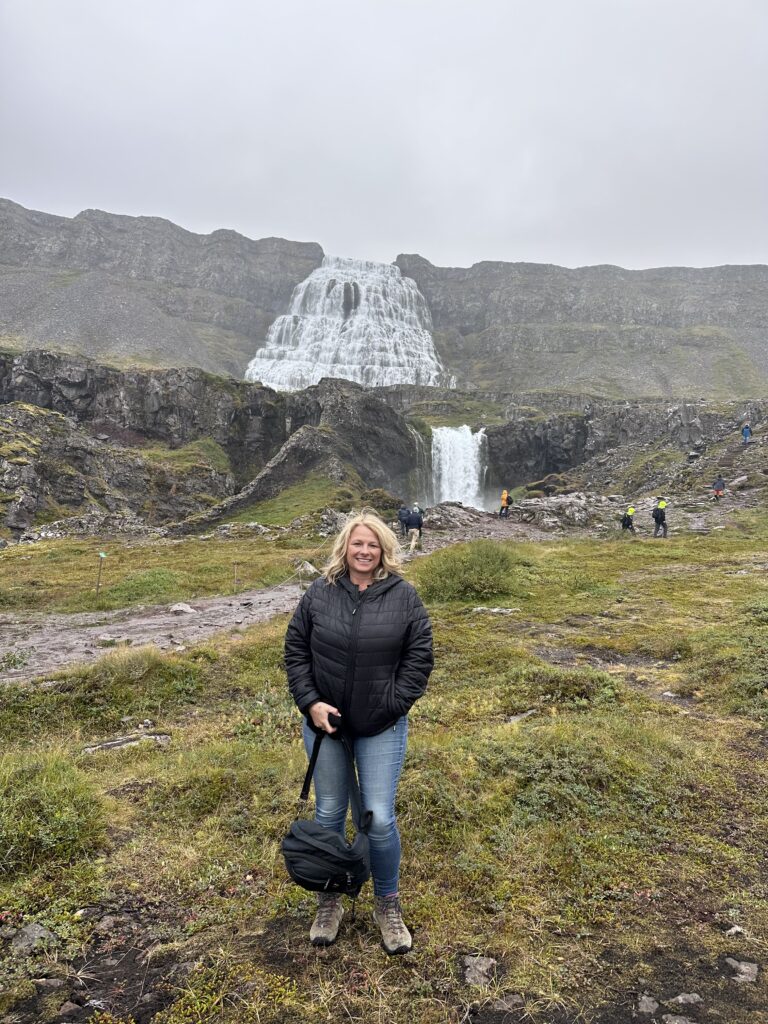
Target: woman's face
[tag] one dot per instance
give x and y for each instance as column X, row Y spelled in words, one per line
column 363, row 552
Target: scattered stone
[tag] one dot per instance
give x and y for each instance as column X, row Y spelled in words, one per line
column 739, row 482
column 31, row 938
column 48, row 984
column 508, row 1001
column 672, row 1018
column 687, row 998
column 495, row 611
column 478, row 970
column 647, row 1004
column 521, row 717
column 669, row 695
column 307, row 569
column 746, row 972
column 182, row 609
column 736, row 930
column 68, row 1008
column 161, row 739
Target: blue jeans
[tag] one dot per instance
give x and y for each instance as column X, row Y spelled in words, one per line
column 379, row 762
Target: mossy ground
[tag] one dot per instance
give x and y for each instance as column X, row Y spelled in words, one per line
column 601, row 846
column 61, row 575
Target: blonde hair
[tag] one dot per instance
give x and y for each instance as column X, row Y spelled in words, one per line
column 390, row 546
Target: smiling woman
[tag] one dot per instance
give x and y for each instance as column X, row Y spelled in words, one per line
column 358, row 653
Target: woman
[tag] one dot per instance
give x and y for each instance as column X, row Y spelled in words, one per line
column 359, row 647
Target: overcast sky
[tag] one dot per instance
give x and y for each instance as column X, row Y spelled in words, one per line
column 563, row 131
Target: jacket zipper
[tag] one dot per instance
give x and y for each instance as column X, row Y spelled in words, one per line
column 349, row 679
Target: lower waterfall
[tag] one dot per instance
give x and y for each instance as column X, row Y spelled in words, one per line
column 458, row 465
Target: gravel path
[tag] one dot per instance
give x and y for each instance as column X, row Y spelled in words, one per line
column 49, row 643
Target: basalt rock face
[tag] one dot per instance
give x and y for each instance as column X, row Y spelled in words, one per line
column 143, row 289
column 603, row 330
column 532, row 445
column 172, row 406
column 87, row 426
column 50, row 467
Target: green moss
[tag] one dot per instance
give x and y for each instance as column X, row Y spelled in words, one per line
column 314, row 493
column 204, row 453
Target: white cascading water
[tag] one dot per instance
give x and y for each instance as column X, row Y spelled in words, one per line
column 458, row 464
column 353, row 319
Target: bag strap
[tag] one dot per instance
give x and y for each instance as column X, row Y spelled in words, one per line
column 362, row 819
column 311, row 769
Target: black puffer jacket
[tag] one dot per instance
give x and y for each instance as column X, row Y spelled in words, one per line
column 368, row 653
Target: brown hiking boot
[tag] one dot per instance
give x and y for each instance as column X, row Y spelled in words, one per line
column 325, row 927
column 388, row 915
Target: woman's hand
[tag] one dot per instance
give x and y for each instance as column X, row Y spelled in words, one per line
column 319, row 712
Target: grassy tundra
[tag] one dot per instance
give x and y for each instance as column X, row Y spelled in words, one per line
column 599, row 847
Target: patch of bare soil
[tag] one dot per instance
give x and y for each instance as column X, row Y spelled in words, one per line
column 52, row 642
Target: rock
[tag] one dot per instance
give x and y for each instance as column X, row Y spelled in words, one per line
column 48, row 984
column 495, row 611
column 31, row 938
column 507, row 1002
column 478, row 970
column 687, row 998
column 646, row 1004
column 746, row 972
column 739, row 483
column 8, row 932
column 307, row 569
column 69, row 1009
column 672, row 1018
column 736, row 930
column 182, row 609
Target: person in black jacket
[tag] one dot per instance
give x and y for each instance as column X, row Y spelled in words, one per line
column 359, row 647
column 414, row 524
column 402, row 517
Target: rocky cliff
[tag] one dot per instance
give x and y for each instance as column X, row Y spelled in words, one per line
column 603, row 330
column 76, row 435
column 141, row 289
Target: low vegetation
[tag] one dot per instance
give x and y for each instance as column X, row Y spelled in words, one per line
column 559, row 812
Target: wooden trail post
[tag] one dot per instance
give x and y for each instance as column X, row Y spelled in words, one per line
column 102, row 556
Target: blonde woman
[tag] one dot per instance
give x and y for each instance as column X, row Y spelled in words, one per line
column 359, row 649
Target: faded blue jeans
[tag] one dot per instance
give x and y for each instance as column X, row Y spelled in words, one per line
column 379, row 761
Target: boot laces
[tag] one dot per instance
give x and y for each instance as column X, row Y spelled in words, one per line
column 326, row 910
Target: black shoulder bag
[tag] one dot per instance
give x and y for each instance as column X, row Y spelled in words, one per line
column 319, row 859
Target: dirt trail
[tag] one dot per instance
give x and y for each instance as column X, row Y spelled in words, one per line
column 49, row 643
column 46, row 643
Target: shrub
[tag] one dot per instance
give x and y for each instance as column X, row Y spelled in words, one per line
column 469, row 572
column 48, row 812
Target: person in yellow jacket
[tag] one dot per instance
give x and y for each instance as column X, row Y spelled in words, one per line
column 504, row 509
column 628, row 519
column 660, row 517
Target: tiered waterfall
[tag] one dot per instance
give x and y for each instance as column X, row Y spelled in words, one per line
column 354, row 319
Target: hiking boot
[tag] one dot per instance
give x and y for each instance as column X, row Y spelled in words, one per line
column 325, row 927
column 388, row 915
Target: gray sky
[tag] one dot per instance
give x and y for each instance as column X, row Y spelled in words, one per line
column 561, row 131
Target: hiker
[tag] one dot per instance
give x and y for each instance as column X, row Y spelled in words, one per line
column 359, row 646
column 719, row 487
column 660, row 517
column 504, row 506
column 746, row 433
column 628, row 521
column 402, row 517
column 414, row 525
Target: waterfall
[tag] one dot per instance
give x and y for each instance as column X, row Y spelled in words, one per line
column 354, row 319
column 458, row 464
